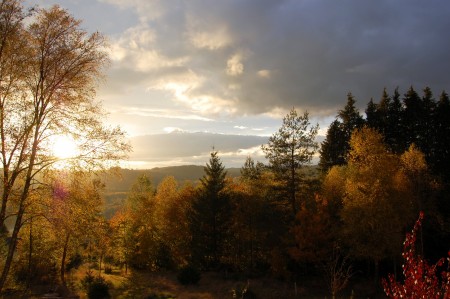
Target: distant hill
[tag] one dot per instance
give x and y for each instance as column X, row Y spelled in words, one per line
column 117, row 186
column 127, row 177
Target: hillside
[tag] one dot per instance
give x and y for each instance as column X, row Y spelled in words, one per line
column 118, row 185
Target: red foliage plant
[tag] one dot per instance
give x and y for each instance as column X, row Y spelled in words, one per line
column 421, row 279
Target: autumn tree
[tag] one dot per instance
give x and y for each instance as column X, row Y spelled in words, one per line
column 140, row 207
column 374, row 210
column 313, row 233
column 251, row 171
column 210, row 215
column 256, row 225
column 171, row 207
column 292, row 147
column 74, row 211
column 49, row 73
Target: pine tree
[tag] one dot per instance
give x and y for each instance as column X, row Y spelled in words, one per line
column 331, row 149
column 412, row 114
column 441, row 164
column 250, row 170
column 394, row 134
column 335, row 148
column 288, row 150
column 209, row 215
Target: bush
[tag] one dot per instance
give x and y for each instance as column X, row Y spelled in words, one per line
column 243, row 292
column 108, row 270
column 160, row 296
column 421, row 279
column 188, row 275
column 96, row 287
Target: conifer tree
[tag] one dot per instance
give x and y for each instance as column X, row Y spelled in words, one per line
column 209, row 215
column 331, row 150
column 394, row 134
column 288, row 150
column 441, row 164
column 336, row 146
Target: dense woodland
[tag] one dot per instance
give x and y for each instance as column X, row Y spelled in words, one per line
column 338, row 224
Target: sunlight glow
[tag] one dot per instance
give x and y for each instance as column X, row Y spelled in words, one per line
column 64, row 147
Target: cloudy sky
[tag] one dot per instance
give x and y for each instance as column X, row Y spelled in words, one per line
column 189, row 75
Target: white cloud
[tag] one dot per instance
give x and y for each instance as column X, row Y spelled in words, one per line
column 264, row 74
column 147, row 10
column 211, row 40
column 235, row 67
column 173, row 130
column 207, row 32
column 135, row 49
column 162, row 113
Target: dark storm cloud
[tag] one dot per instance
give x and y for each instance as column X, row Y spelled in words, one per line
column 307, row 54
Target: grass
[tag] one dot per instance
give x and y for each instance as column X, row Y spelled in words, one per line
column 212, row 285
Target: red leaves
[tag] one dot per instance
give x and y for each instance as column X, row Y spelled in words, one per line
column 421, row 279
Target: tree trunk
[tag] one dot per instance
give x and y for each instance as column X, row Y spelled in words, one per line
column 12, row 247
column 63, row 260
column 376, row 273
column 21, row 210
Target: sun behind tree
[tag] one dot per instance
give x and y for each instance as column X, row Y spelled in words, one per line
column 64, row 147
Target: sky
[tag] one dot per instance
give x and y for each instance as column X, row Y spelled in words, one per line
column 189, row 76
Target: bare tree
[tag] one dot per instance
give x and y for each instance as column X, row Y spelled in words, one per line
column 337, row 271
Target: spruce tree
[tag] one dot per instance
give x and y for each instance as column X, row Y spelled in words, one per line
column 210, row 215
column 331, row 150
column 441, row 163
column 335, row 148
column 395, row 137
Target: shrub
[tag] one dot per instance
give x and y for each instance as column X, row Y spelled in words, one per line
column 160, row 296
column 188, row 275
column 243, row 292
column 95, row 286
column 421, row 279
column 108, row 270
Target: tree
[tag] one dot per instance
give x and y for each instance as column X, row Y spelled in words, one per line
column 171, row 206
column 394, row 133
column 351, row 120
column 335, row 148
column 210, row 214
column 374, row 210
column 48, row 79
column 292, row 147
column 250, row 170
column 331, row 149
column 441, row 163
column 140, row 210
column 74, row 210
column 421, row 280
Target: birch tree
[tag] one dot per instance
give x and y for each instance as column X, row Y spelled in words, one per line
column 48, row 76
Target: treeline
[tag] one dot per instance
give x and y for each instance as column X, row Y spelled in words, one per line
column 344, row 222
column 378, row 173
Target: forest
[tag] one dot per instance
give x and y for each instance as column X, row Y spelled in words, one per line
column 370, row 220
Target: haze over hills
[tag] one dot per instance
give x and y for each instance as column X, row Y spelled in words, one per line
column 118, row 186
column 124, row 180
column 187, row 148
column 193, row 148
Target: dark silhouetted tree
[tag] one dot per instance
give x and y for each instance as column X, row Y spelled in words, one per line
column 292, row 147
column 336, row 145
column 210, row 215
column 331, row 149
